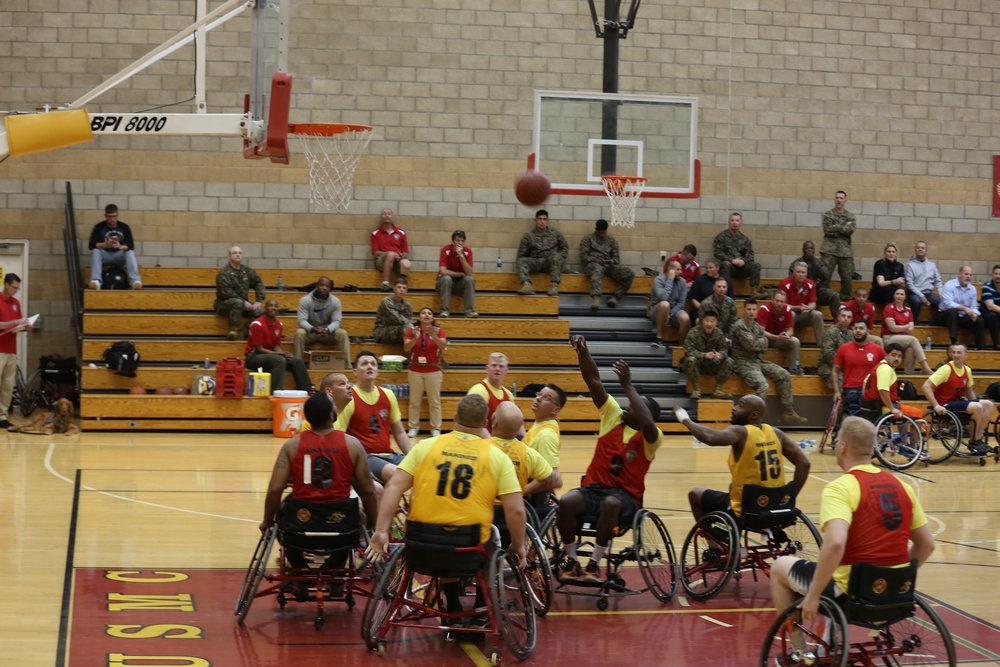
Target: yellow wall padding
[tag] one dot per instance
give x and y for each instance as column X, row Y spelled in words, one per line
column 34, row 133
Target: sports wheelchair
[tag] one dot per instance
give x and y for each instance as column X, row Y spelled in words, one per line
column 720, row 546
column 320, row 531
column 432, row 552
column 651, row 549
column 902, row 627
column 944, row 438
column 54, row 378
column 899, row 441
column 538, row 570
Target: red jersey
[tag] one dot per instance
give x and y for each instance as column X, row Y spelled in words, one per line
column 688, row 271
column 492, row 402
column 865, row 313
column 370, row 423
column 774, row 322
column 857, row 361
column 391, row 241
column 880, row 527
column 263, row 333
column 9, row 311
column 322, row 469
column 953, row 389
column 619, row 465
column 798, row 296
column 425, row 356
column 871, row 386
column 900, row 317
column 449, row 259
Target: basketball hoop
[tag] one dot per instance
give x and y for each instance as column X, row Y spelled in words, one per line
column 332, row 151
column 623, row 191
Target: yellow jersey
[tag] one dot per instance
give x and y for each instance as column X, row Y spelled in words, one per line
column 760, row 463
column 528, row 464
column 544, row 438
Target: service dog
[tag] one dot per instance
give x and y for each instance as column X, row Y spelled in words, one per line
column 60, row 420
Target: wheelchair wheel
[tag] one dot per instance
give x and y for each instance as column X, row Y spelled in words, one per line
column 944, row 435
column 255, row 573
column 512, row 604
column 655, row 553
column 995, row 429
column 549, row 534
column 922, row 639
column 822, row 642
column 538, row 572
column 31, row 395
column 710, row 555
column 382, row 597
column 899, row 442
column 800, row 539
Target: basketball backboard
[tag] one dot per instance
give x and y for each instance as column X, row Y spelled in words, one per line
column 579, row 137
column 270, row 83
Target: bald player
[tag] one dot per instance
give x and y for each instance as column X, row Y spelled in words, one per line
column 757, row 455
column 508, row 421
column 338, row 387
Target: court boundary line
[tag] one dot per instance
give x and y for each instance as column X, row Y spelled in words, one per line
column 67, row 593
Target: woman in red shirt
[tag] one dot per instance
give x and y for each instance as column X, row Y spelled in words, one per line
column 897, row 327
column 424, row 344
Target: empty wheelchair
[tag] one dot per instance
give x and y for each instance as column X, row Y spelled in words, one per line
column 431, row 553
column 902, row 628
column 321, row 557
column 54, row 378
column 720, row 546
column 651, row 550
column 945, row 433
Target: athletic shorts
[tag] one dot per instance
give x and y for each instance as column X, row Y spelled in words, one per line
column 379, row 461
column 957, row 406
column 716, row 501
column 593, row 496
column 800, row 576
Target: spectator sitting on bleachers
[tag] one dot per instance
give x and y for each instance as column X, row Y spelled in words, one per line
column 959, row 308
column 263, row 350
column 542, row 249
column 600, row 257
column 666, row 304
column 111, row 243
column 455, row 272
column 232, row 292
column 690, row 269
column 706, row 349
column 394, row 316
column 833, row 338
column 922, row 279
column 704, row 285
column 722, row 305
column 887, row 275
column 990, row 306
column 816, row 272
column 801, row 294
column 389, row 248
column 779, row 327
column 897, row 327
column 863, row 310
column 320, row 316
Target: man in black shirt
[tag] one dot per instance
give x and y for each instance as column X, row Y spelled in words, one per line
column 111, row 243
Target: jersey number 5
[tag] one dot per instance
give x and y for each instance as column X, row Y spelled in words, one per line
column 770, row 465
column 461, row 483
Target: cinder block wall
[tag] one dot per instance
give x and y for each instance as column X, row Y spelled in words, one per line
column 892, row 101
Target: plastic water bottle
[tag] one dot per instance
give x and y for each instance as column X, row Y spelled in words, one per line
column 809, row 443
column 513, row 389
column 927, row 343
column 208, row 364
column 499, row 264
column 281, row 284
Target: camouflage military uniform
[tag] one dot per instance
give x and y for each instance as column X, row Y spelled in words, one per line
column 592, row 249
column 749, row 347
column 540, row 252
column 696, row 345
column 392, row 319
column 832, row 340
column 727, row 247
column 725, row 310
column 836, row 250
column 817, row 272
column 232, row 290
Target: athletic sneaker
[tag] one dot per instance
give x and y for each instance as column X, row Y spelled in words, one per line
column 435, row 432
column 570, row 571
column 979, row 447
column 95, row 284
column 412, row 433
column 386, row 287
column 444, row 314
column 592, row 573
column 795, row 658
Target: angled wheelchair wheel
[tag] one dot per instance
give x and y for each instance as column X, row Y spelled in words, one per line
column 831, row 425
column 31, row 395
column 383, row 595
column 549, row 534
column 538, row 572
column 710, row 555
column 921, row 639
column 655, row 553
column 255, row 573
column 790, row 641
column 944, row 435
column 512, row 604
column 800, row 539
column 899, row 441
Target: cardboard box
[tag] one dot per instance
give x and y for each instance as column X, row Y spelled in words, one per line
column 325, row 360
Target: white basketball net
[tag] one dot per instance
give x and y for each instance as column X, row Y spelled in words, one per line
column 623, row 191
column 332, row 161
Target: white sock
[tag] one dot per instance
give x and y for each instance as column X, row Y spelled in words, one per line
column 598, row 554
column 570, row 550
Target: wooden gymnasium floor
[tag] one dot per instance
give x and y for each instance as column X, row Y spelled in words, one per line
column 187, row 507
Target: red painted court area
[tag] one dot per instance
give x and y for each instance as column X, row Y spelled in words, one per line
column 185, row 618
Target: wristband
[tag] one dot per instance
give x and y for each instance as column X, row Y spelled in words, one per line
column 682, row 414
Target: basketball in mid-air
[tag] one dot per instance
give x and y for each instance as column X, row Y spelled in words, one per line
column 532, row 188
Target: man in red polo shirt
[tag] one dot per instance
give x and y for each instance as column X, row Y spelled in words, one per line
column 390, row 249
column 778, row 321
column 855, row 360
column 690, row 269
column 12, row 320
column 864, row 311
column 802, row 300
column 455, row 273
column 263, row 350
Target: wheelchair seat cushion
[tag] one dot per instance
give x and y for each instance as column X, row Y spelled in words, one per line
column 319, row 527
column 431, row 549
column 877, row 594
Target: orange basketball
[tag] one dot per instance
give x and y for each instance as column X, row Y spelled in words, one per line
column 163, row 390
column 137, row 389
column 181, row 390
column 533, row 188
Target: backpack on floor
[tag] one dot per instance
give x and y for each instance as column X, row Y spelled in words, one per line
column 122, row 358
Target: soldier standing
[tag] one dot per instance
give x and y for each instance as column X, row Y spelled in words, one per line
column 599, row 255
column 734, row 250
column 705, row 350
column 542, row 249
column 836, row 251
column 232, row 292
column 749, row 347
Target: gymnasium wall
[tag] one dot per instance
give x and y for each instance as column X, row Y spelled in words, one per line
column 894, row 102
